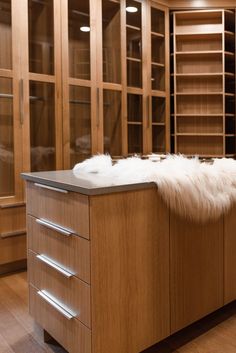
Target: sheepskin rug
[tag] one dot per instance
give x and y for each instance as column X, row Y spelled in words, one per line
column 193, row 189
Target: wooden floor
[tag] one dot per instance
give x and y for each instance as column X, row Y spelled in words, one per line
column 19, row 333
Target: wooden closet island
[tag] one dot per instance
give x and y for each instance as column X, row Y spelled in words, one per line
column 113, row 270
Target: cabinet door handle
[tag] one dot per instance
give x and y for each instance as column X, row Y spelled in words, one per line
column 43, row 294
column 51, row 188
column 53, row 226
column 21, row 101
column 52, row 264
column 148, row 110
column 98, row 107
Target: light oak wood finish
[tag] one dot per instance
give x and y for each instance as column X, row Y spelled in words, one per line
column 196, row 270
column 201, row 79
column 217, row 331
column 130, row 297
column 71, row 334
column 229, row 254
column 70, row 212
column 73, row 293
column 72, row 253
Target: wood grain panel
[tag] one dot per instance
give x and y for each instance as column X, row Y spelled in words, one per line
column 71, row 334
column 229, row 256
column 67, row 210
column 71, row 252
column 130, row 271
column 196, row 270
column 71, row 292
column 12, row 249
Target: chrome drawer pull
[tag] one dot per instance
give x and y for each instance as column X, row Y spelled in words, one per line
column 55, row 305
column 52, row 264
column 51, row 188
column 65, row 231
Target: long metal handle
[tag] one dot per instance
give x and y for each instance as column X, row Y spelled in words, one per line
column 98, row 107
column 148, row 110
column 64, row 231
column 52, row 264
column 21, row 90
column 51, row 188
column 43, row 294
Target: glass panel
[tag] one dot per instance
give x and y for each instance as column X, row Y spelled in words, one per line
column 158, row 109
column 6, row 138
column 157, row 21
column 42, row 126
column 135, row 138
column 41, row 37
column 158, row 138
column 158, row 78
column 134, row 43
column 79, row 39
column 80, row 124
column 6, row 35
column 158, row 50
column 135, row 127
column 134, row 49
column 133, row 13
column 111, row 43
column 112, row 122
column 134, row 74
column 135, row 107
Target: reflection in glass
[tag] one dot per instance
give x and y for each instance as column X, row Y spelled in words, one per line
column 135, row 138
column 111, row 41
column 112, row 122
column 79, row 39
column 134, row 41
column 158, row 109
column 158, row 78
column 5, row 35
column 41, row 37
column 42, row 126
column 158, row 50
column 158, row 138
column 134, row 73
column 134, row 19
column 157, row 21
column 80, row 124
column 6, row 138
column 135, row 107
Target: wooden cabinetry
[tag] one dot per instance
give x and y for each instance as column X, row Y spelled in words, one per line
column 203, row 82
column 99, row 278
column 115, row 78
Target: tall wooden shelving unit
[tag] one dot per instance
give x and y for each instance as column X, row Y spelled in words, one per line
column 203, row 88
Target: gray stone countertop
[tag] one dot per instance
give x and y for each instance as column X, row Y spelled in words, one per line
column 84, row 183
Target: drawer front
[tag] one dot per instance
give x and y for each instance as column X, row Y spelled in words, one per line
column 68, row 210
column 70, row 292
column 70, row 333
column 71, row 252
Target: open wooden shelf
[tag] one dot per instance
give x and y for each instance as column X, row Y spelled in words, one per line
column 203, row 83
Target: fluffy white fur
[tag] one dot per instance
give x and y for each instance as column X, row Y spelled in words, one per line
column 199, row 191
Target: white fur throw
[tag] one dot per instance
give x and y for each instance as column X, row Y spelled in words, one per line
column 199, row 191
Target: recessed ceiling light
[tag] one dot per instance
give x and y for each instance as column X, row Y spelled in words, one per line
column 131, row 9
column 85, row 29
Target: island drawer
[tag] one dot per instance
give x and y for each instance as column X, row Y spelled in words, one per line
column 66, row 289
column 70, row 252
column 69, row 332
column 68, row 210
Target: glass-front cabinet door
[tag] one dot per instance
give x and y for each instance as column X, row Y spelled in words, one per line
column 134, row 14
column 77, row 73
column 44, row 86
column 159, row 85
column 10, row 115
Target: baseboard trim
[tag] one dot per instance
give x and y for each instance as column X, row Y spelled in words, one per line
column 13, row 266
